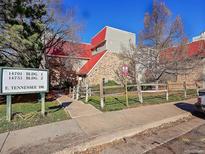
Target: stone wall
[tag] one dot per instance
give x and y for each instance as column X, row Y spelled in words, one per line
column 110, row 63
column 180, row 85
column 105, row 68
column 192, row 76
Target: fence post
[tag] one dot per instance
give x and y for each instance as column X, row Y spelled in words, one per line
column 77, row 92
column 90, row 92
column 167, row 92
column 185, row 89
column 73, row 92
column 140, row 93
column 197, row 89
column 157, row 86
column 70, row 90
column 86, row 93
column 126, row 94
column 101, row 95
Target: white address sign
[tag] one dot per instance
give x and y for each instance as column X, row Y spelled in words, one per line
column 20, row 81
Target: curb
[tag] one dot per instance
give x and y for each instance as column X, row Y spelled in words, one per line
column 172, row 138
column 3, row 138
column 108, row 138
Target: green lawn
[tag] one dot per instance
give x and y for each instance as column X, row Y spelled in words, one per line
column 28, row 115
column 113, row 103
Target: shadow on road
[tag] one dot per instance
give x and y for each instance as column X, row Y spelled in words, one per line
column 190, row 108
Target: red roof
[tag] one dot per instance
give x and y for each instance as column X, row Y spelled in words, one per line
column 78, row 50
column 91, row 63
column 196, row 47
column 190, row 50
column 99, row 38
column 81, row 51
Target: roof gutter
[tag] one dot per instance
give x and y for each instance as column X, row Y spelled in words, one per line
column 61, row 56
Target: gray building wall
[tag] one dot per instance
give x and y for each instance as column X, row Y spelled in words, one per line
column 116, row 39
column 106, row 68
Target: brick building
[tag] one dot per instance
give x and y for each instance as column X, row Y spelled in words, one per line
column 99, row 58
column 196, row 74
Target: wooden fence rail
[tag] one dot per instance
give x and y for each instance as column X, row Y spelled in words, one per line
column 87, row 91
column 139, row 91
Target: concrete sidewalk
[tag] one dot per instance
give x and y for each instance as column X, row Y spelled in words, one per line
column 77, row 108
column 83, row 132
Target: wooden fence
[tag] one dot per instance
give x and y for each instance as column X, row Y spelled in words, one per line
column 77, row 92
column 140, row 89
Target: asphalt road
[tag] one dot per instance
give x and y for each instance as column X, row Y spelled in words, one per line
column 190, row 143
column 186, row 136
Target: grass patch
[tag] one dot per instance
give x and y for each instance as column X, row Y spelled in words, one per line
column 113, row 103
column 111, row 83
column 28, row 115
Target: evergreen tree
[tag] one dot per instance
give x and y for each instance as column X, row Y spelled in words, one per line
column 22, row 24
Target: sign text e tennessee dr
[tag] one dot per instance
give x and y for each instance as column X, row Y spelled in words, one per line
column 23, row 81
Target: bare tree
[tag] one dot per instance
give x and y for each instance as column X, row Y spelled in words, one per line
column 162, row 47
column 30, row 29
column 162, row 63
column 61, row 28
column 61, row 35
column 129, row 57
column 62, row 73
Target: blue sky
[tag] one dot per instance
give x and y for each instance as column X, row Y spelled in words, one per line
column 128, row 14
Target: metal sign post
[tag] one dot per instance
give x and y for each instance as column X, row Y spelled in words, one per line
column 8, row 108
column 43, row 108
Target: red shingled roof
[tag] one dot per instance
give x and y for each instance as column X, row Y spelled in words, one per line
column 77, row 50
column 91, row 63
